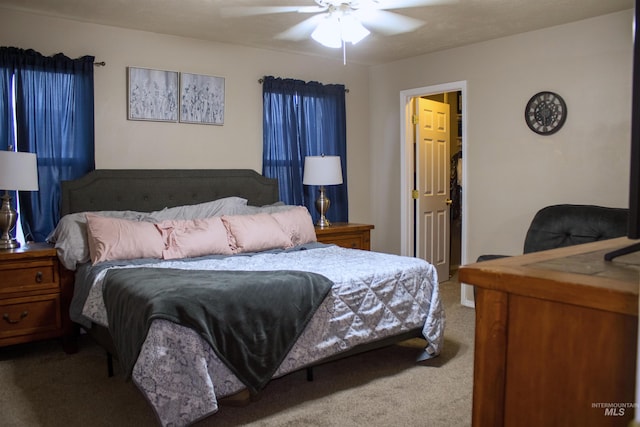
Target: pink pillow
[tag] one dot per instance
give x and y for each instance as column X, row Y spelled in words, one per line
column 298, row 224
column 115, row 238
column 193, row 238
column 255, row 233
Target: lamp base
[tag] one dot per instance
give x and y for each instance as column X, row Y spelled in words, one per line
column 9, row 244
column 323, row 222
column 8, row 218
column 322, row 205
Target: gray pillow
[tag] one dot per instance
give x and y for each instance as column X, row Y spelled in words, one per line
column 70, row 235
column 225, row 206
column 275, row 207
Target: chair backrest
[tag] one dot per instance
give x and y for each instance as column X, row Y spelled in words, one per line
column 567, row 225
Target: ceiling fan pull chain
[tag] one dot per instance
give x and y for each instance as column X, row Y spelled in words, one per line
column 344, row 53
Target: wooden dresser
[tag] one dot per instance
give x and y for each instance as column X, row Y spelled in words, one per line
column 556, row 337
column 347, row 235
column 34, row 298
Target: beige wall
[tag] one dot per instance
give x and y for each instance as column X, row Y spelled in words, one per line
column 121, row 143
column 510, row 171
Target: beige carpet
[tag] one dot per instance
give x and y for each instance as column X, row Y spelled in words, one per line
column 42, row 386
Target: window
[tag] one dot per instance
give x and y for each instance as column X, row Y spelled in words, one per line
column 47, row 109
column 304, row 119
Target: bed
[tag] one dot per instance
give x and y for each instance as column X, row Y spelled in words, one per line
column 345, row 300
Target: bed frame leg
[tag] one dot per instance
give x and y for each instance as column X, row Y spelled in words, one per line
column 109, row 364
column 310, row 374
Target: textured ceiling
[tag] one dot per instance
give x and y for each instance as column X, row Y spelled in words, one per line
column 450, row 25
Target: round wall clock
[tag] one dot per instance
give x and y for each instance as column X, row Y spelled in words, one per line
column 545, row 113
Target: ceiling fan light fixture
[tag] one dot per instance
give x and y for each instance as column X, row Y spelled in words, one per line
column 352, row 30
column 338, row 28
column 327, row 33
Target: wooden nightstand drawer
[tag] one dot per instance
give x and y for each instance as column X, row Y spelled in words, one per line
column 27, row 276
column 29, row 315
column 350, row 242
column 34, row 296
column 347, row 235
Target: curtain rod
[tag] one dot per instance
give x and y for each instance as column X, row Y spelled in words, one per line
column 262, row 81
column 100, row 64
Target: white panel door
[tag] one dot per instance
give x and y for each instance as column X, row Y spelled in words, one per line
column 432, row 180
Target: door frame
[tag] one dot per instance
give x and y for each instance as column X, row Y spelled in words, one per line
column 406, row 170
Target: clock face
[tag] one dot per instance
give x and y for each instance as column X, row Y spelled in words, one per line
column 545, row 113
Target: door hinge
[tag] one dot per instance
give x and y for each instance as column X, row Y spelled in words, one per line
column 414, row 119
column 415, row 194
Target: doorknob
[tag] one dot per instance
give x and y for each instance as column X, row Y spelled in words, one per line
column 449, row 202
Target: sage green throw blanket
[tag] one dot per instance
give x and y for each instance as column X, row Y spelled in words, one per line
column 251, row 319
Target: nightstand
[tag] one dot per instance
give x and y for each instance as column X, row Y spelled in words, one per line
column 346, row 234
column 34, row 301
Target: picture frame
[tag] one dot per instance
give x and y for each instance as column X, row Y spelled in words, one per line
column 202, row 99
column 152, row 95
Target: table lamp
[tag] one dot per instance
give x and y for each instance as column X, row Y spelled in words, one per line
column 18, row 171
column 322, row 170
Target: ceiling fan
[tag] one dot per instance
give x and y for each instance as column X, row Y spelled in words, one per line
column 337, row 22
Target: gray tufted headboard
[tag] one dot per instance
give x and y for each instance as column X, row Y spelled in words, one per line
column 147, row 190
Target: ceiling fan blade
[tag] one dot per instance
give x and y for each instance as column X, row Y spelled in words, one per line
column 241, row 11
column 388, row 23
column 401, row 4
column 302, row 30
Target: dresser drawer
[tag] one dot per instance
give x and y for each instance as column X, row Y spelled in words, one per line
column 20, row 277
column 29, row 315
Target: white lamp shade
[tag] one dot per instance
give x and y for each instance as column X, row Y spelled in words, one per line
column 18, row 171
column 322, row 170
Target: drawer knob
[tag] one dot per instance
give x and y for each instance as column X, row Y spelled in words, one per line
column 39, row 277
column 6, row 317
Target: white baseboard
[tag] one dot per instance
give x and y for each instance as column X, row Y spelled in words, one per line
column 466, row 295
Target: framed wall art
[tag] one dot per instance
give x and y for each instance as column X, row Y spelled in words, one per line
column 201, row 99
column 152, row 95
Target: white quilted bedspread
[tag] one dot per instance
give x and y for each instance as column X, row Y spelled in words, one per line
column 374, row 296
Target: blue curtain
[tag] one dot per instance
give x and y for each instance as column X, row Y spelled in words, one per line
column 304, row 119
column 54, row 119
column 7, row 131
